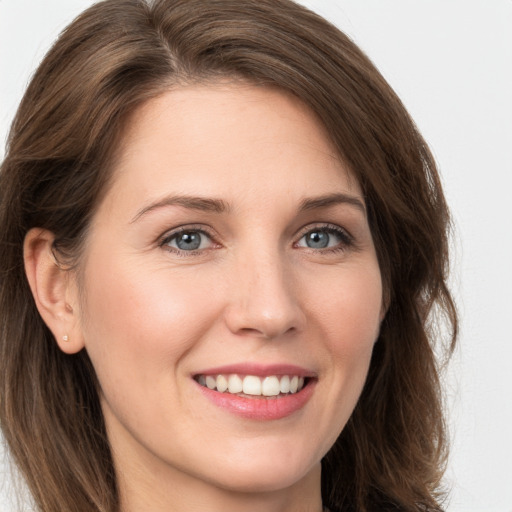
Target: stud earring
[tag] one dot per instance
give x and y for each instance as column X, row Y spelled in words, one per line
column 65, row 337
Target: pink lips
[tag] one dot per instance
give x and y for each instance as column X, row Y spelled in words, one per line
column 260, row 408
column 259, row 370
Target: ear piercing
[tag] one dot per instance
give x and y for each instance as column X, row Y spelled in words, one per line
column 65, row 337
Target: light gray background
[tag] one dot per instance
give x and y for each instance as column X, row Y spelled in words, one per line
column 451, row 63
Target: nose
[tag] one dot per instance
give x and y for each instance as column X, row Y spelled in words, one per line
column 263, row 298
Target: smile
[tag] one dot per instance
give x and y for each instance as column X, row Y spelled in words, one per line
column 257, row 397
column 253, row 385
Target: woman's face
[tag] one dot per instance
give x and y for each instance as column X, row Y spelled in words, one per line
column 232, row 250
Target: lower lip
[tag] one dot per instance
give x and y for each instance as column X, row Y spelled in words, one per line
column 261, row 408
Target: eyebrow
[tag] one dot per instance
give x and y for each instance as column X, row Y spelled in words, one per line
column 204, row 204
column 331, row 200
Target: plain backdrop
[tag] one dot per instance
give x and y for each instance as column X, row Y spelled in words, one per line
column 451, row 63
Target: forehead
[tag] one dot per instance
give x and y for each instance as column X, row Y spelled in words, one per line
column 222, row 139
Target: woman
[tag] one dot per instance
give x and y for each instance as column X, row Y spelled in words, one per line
column 223, row 243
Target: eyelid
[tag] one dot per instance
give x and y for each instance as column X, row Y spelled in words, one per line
column 347, row 239
column 323, row 225
column 164, row 239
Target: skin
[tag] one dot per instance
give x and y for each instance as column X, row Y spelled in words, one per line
column 151, row 316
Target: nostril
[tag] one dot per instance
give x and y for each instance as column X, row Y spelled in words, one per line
column 267, row 334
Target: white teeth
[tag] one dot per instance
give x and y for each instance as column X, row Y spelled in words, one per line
column 252, row 385
column 294, row 384
column 235, row 384
column 269, row 386
column 285, row 384
column 211, row 382
column 222, row 383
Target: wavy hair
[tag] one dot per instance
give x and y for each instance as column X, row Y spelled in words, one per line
column 114, row 57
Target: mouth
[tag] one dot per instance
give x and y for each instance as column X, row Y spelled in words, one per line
column 258, row 392
column 253, row 386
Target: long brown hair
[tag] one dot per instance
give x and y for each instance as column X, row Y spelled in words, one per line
column 110, row 60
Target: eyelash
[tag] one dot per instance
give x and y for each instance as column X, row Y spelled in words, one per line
column 169, row 237
column 346, row 240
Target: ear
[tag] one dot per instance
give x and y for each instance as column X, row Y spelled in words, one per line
column 386, row 300
column 383, row 311
column 54, row 289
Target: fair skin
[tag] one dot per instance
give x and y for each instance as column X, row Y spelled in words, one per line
column 270, row 269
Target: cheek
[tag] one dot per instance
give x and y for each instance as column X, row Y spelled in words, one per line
column 144, row 318
column 348, row 318
column 348, row 305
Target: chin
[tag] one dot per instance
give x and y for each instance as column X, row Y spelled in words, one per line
column 249, row 482
column 256, row 474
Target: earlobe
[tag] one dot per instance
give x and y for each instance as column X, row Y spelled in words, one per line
column 386, row 300
column 54, row 290
column 383, row 313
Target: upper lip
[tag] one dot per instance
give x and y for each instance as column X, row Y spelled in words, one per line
column 259, row 370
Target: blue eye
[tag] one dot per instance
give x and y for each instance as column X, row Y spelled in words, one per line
column 317, row 239
column 325, row 238
column 188, row 240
